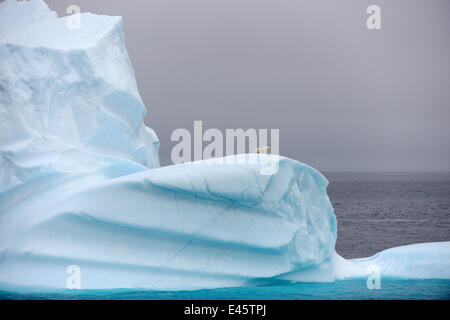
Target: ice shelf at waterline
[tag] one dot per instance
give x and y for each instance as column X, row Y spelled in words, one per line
column 80, row 182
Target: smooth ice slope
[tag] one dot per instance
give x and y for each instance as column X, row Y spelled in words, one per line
column 416, row 261
column 178, row 227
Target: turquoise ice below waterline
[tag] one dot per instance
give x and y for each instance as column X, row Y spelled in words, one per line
column 81, row 188
column 348, row 289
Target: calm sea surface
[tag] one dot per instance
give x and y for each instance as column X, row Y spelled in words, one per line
column 375, row 211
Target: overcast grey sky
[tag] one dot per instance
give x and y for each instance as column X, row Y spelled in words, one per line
column 344, row 97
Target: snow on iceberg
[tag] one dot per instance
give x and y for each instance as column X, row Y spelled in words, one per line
column 80, row 182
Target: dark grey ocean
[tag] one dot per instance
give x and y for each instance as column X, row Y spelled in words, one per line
column 375, row 211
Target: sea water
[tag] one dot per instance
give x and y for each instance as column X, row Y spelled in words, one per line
column 342, row 289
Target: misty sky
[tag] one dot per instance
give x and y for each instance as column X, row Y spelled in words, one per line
column 344, row 97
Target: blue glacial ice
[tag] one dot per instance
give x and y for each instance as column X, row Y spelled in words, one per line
column 80, row 182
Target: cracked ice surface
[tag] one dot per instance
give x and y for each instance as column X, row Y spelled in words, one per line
column 80, row 182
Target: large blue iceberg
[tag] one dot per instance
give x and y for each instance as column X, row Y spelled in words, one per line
column 80, row 182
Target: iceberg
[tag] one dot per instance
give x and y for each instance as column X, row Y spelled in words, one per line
column 81, row 184
column 415, row 261
column 177, row 227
